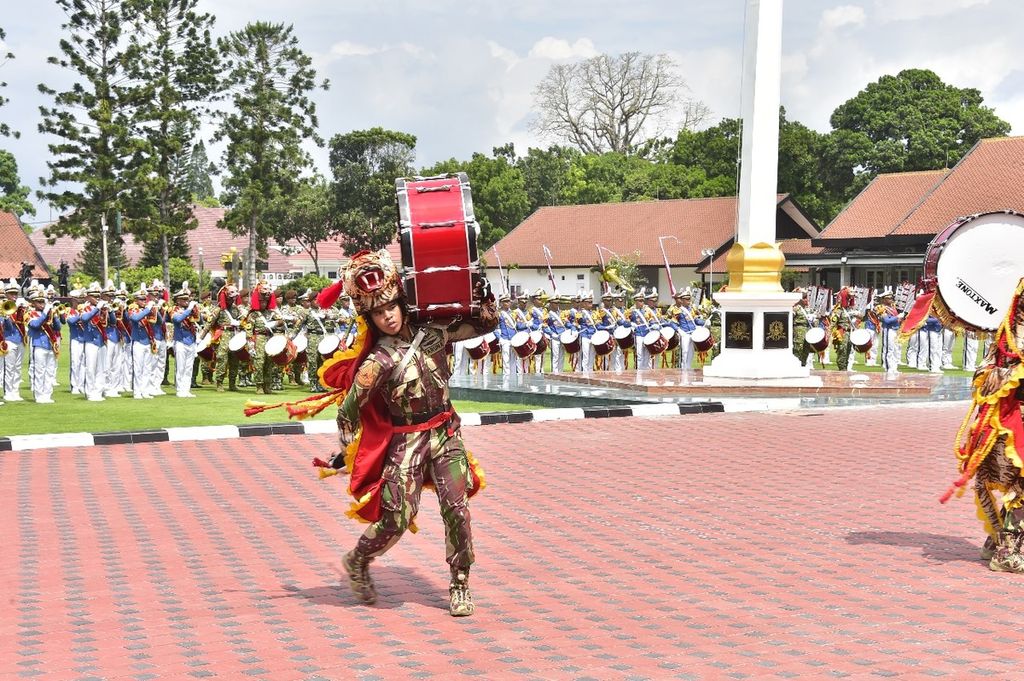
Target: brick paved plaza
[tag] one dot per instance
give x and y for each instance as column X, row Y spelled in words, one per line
column 787, row 545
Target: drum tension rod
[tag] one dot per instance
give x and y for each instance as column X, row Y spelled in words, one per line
column 446, row 223
column 441, row 188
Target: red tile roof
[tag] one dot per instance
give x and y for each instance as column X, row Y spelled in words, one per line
column 882, row 205
column 990, row 177
column 16, row 248
column 571, row 232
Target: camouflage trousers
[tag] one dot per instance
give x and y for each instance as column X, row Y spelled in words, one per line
column 313, row 358
column 413, row 458
column 843, row 348
column 227, row 364
column 262, row 369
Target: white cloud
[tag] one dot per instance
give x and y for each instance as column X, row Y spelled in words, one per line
column 844, row 15
column 557, row 49
column 910, row 10
column 350, row 49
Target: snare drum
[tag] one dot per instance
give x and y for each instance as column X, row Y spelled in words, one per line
column 702, row 339
column 570, row 340
column 493, row 343
column 624, row 337
column 476, row 348
column 301, row 344
column 974, row 265
column 523, row 345
column 438, row 237
column 540, row 340
column 205, row 349
column 672, row 336
column 328, row 345
column 280, row 350
column 861, row 339
column 603, row 343
column 655, row 342
column 817, row 339
column 238, row 346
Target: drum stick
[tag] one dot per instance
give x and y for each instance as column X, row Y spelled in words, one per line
column 551, row 274
column 668, row 270
column 501, row 272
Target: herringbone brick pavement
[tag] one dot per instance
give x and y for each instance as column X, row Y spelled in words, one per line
column 722, row 546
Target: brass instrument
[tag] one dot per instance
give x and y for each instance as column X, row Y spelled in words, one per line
column 7, row 308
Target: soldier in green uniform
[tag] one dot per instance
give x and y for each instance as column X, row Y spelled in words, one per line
column 265, row 320
column 802, row 321
column 842, row 325
column 316, row 329
column 405, row 370
column 229, row 319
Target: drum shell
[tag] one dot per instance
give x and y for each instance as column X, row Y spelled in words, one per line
column 476, row 348
column 655, row 342
column 817, row 339
column 603, row 343
column 328, row 345
column 238, row 345
column 493, row 343
column 283, row 356
column 702, row 339
column 301, row 345
column 570, row 340
column 523, row 345
column 539, row 340
column 624, row 337
column 205, row 349
column 861, row 339
column 672, row 335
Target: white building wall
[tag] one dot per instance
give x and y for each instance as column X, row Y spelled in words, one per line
column 568, row 280
column 681, row 277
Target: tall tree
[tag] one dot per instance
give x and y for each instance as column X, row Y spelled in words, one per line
column 5, row 129
column 174, row 66
column 13, row 194
column 910, row 121
column 610, row 103
column 200, row 172
column 365, row 164
column 545, row 174
column 91, row 118
column 308, row 218
column 269, row 80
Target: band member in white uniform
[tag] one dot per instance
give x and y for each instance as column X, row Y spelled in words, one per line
column 44, row 339
column 16, row 334
column 186, row 317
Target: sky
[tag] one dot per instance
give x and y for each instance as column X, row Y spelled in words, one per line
column 460, row 75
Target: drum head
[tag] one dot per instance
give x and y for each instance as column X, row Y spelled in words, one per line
column 328, row 344
column 568, row 336
column 979, row 266
column 623, row 331
column 301, row 343
column 700, row 334
column 860, row 336
column 600, row 337
column 520, row 338
column 204, row 342
column 276, row 345
column 815, row 335
column 652, row 337
column 668, row 332
column 473, row 342
column 237, row 341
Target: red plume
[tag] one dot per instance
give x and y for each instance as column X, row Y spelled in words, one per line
column 329, row 296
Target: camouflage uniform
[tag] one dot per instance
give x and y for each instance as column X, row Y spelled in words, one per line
column 262, row 370
column 227, row 364
column 842, row 325
column 414, row 396
column 300, row 323
column 801, row 323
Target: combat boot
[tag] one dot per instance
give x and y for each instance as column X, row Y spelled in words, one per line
column 460, row 601
column 358, row 569
column 988, row 549
column 1007, row 556
column 220, row 387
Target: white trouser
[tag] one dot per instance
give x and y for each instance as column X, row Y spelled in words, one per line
column 970, row 351
column 93, row 378
column 891, row 349
column 643, row 358
column 114, row 372
column 586, row 354
column 933, row 346
column 77, row 357
column 948, row 338
column 159, row 360
column 459, row 359
column 12, row 370
column 871, row 356
column 44, row 373
column 184, row 356
column 685, row 349
column 618, row 359
column 127, row 366
column 557, row 354
column 142, row 358
column 914, row 350
column 509, row 359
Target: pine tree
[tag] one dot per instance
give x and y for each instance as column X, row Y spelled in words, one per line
column 87, row 181
column 269, row 79
column 5, row 129
column 200, row 182
column 174, row 66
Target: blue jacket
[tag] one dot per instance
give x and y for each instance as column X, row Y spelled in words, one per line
column 182, row 334
column 507, row 325
column 139, row 334
column 37, row 335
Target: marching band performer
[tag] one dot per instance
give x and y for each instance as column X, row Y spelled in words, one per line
column 841, row 322
column 317, row 330
column 685, row 324
column 618, row 314
column 637, row 318
column 536, row 323
column 158, row 359
column 930, row 351
column 587, row 327
column 76, row 329
column 265, row 319
column 970, row 350
column 889, row 317
column 115, row 357
column 140, row 316
column 803, row 320
column 91, row 316
column 229, row 320
column 185, row 316
column 507, row 329
column 44, row 339
column 553, row 327
column 604, row 319
column 16, row 335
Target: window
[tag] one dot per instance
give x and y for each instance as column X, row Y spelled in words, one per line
column 579, row 277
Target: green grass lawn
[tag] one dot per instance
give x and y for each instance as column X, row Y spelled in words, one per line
column 74, row 414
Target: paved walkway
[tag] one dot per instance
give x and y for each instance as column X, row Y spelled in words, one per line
column 748, row 545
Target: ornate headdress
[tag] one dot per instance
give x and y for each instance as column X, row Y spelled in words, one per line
column 371, row 279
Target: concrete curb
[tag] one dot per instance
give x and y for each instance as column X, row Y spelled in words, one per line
column 26, row 442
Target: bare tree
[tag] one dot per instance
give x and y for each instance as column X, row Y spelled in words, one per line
column 610, row 103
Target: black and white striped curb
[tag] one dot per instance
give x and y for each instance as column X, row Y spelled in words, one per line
column 327, row 426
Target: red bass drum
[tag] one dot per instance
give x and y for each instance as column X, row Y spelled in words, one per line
column 438, row 236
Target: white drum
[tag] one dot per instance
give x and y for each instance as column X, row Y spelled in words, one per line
column 570, row 340
column 624, row 336
column 702, row 339
column 476, row 348
column 523, row 345
column 655, row 342
column 328, row 345
column 301, row 343
column 603, row 342
column 238, row 346
column 816, row 338
column 861, row 339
